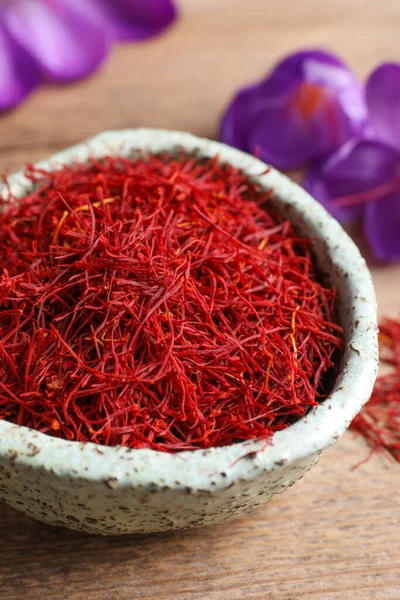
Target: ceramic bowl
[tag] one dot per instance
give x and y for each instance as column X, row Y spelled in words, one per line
column 115, row 490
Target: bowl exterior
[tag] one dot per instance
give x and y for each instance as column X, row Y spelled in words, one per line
column 103, row 507
column 116, row 490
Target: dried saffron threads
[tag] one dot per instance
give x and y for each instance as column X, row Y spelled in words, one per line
column 379, row 420
column 158, row 302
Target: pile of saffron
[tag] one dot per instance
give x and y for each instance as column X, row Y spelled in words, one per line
column 379, row 420
column 158, row 302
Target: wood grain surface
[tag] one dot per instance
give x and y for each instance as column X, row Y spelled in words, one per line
column 336, row 534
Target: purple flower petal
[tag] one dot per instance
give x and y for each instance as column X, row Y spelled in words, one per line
column 382, row 226
column 137, row 19
column 306, row 109
column 383, row 102
column 320, row 189
column 63, row 37
column 239, row 118
column 352, row 176
column 18, row 73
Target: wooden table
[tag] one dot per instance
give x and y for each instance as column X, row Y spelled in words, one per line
column 336, row 534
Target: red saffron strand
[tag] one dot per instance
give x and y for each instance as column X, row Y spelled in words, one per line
column 375, row 193
column 158, row 302
column 379, row 420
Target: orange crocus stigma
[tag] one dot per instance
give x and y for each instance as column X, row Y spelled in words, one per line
column 308, row 98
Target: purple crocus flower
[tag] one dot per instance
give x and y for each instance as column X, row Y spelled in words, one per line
column 62, row 40
column 304, row 110
column 363, row 177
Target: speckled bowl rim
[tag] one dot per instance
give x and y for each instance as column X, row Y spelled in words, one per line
column 195, row 469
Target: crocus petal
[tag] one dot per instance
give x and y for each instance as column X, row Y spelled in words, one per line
column 382, row 226
column 18, row 73
column 383, row 102
column 320, row 189
column 352, row 176
column 307, row 108
column 61, row 36
column 137, row 19
column 238, row 118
